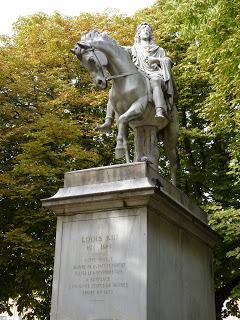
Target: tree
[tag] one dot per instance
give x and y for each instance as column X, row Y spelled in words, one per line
column 205, row 37
column 47, row 128
column 49, row 110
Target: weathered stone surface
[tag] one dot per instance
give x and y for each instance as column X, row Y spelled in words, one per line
column 142, row 95
column 129, row 246
column 180, row 277
column 102, row 268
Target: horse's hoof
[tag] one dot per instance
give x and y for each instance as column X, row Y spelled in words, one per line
column 104, row 127
column 119, row 153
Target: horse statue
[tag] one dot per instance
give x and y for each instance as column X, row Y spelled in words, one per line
column 130, row 99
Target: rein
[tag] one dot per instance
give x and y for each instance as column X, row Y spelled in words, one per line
column 120, row 75
column 125, row 74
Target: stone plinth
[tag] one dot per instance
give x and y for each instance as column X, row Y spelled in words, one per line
column 129, row 246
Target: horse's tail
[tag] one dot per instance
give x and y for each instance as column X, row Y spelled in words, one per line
column 170, row 137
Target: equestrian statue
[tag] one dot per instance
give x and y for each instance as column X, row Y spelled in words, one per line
column 142, row 97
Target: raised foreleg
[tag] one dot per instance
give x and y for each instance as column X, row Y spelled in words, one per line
column 110, row 112
column 135, row 111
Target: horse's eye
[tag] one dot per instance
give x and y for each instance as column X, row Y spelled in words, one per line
column 91, row 60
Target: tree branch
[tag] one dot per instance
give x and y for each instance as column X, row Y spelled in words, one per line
column 223, row 293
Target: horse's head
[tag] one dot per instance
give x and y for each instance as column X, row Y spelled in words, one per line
column 94, row 61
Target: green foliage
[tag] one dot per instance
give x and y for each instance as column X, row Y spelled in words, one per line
column 203, row 39
column 47, row 128
column 49, row 111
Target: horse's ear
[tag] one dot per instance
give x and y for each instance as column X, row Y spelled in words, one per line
column 83, row 45
column 101, row 58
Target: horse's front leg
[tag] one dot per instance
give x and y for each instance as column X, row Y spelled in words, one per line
column 110, row 112
column 135, row 111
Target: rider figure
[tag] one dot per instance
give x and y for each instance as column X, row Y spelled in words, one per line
column 152, row 60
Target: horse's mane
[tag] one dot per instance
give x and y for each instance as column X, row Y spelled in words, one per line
column 97, row 36
column 90, row 37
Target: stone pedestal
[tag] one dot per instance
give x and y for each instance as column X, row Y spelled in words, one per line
column 129, row 246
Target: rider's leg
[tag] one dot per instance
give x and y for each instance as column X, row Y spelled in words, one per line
column 158, row 97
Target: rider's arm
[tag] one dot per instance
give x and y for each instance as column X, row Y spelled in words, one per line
column 161, row 58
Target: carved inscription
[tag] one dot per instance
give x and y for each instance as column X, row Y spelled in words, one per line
column 99, row 273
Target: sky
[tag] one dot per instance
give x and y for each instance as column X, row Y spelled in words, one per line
column 11, row 10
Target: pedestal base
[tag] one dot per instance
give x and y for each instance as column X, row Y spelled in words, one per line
column 129, row 246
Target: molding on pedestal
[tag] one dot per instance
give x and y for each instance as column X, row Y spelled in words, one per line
column 126, row 186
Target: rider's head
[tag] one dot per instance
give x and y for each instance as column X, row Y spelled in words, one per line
column 144, row 30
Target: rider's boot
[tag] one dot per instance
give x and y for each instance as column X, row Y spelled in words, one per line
column 160, row 113
column 159, row 101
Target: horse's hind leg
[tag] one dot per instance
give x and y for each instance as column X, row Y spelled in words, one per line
column 170, row 136
column 121, row 149
column 172, row 156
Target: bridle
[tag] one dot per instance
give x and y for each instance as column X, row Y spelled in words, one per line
column 107, row 78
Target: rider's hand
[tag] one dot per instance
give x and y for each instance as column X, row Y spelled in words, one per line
column 152, row 60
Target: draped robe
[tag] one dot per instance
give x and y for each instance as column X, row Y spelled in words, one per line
column 162, row 70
